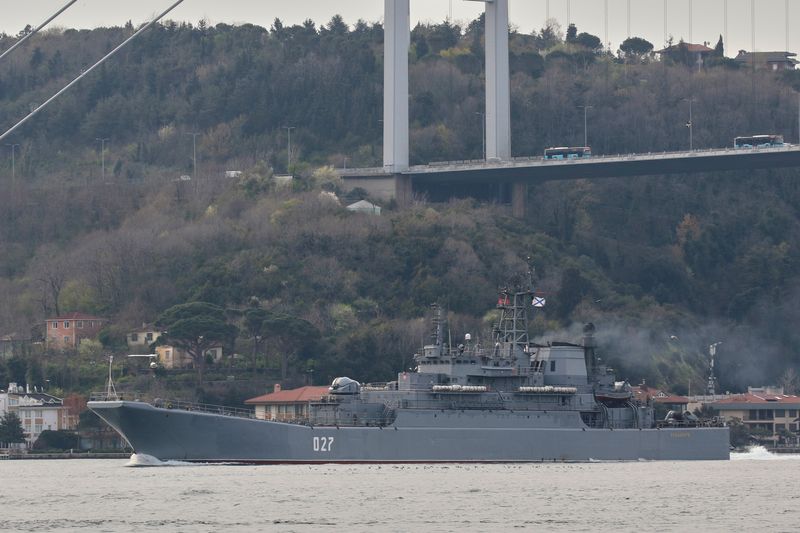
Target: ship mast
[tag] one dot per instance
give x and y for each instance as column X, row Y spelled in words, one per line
column 511, row 333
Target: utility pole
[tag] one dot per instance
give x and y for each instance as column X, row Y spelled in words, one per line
column 194, row 135
column 289, row 148
column 483, row 131
column 586, row 109
column 103, row 142
column 13, row 163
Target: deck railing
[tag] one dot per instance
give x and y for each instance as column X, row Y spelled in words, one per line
column 181, row 405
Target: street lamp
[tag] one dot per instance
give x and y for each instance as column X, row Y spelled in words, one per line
column 103, row 142
column 194, row 135
column 289, row 147
column 690, row 124
column 483, row 132
column 13, row 163
column 586, row 109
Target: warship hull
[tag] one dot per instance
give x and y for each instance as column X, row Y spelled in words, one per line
column 416, row 436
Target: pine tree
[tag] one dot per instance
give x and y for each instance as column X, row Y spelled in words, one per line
column 11, row 429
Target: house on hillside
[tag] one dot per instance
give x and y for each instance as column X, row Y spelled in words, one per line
column 688, row 53
column 776, row 61
column 286, row 405
column 38, row 411
column 143, row 337
column 66, row 332
column 171, row 357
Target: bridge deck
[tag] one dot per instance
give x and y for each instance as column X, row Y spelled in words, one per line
column 539, row 169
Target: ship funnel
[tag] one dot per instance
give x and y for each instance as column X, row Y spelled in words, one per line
column 588, row 335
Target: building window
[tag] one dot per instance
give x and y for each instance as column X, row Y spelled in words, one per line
column 793, row 413
column 66, row 324
column 779, row 427
column 134, row 337
column 66, row 340
column 552, row 366
column 55, row 324
column 79, row 324
column 149, row 337
column 780, row 413
column 37, row 428
column 38, row 413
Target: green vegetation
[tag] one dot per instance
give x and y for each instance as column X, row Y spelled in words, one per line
column 303, row 289
column 11, row 431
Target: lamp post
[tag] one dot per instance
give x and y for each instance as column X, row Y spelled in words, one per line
column 586, row 109
column 690, row 124
column 483, row 132
column 103, row 142
column 194, row 135
column 289, row 147
column 13, row 162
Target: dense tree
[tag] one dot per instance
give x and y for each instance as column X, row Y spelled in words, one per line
column 196, row 327
column 57, row 440
column 636, row 48
column 11, row 431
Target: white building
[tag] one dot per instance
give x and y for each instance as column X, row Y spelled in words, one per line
column 364, row 206
column 38, row 411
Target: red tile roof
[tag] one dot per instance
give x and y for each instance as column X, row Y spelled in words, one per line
column 301, row 395
column 77, row 316
column 760, row 399
column 672, row 399
column 643, row 393
column 691, row 47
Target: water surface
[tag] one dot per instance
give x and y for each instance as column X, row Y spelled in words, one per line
column 753, row 491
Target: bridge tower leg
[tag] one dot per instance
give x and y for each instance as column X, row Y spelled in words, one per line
column 397, row 43
column 498, row 81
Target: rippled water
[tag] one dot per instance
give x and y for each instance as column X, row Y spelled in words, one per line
column 753, row 491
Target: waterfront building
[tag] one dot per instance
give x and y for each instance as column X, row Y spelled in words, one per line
column 763, row 408
column 286, row 405
column 38, row 411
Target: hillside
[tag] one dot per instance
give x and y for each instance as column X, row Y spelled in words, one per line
column 663, row 266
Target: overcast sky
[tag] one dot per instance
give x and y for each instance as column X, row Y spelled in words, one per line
column 647, row 16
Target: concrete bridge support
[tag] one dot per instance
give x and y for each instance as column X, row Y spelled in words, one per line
column 519, row 199
column 397, row 43
column 403, row 190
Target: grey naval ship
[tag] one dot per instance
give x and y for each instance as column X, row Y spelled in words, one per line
column 511, row 401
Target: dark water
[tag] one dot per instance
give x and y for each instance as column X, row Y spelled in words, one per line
column 754, row 491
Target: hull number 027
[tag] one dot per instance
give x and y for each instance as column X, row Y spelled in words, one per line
column 323, row 444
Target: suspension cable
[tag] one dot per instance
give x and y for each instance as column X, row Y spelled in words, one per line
column 36, row 30
column 90, row 69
